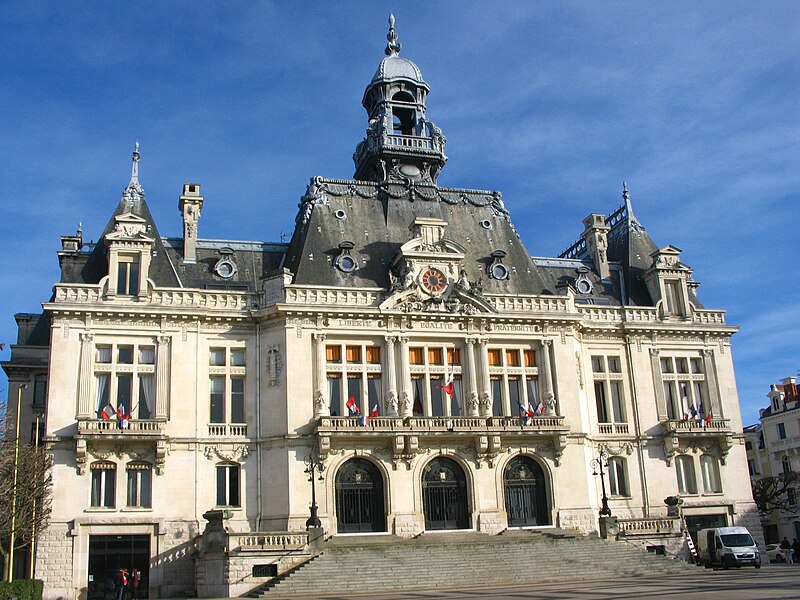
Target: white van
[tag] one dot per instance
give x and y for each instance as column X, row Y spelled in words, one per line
column 727, row 547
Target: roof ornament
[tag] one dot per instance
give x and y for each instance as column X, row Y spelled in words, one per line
column 134, row 192
column 626, row 197
column 393, row 47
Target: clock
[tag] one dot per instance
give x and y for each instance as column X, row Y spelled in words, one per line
column 433, row 280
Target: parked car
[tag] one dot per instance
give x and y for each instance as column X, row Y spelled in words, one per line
column 776, row 554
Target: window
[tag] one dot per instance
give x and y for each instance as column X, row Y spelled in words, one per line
column 687, row 483
column 228, row 485
column 139, row 485
column 428, row 378
column 752, row 467
column 608, row 395
column 513, row 377
column 358, row 377
column 37, row 432
column 127, row 275
column 104, row 476
column 672, row 297
column 711, row 480
column 618, row 481
column 40, row 391
column 782, row 431
column 684, row 387
column 125, row 379
column 226, row 385
column 791, row 496
column 786, row 465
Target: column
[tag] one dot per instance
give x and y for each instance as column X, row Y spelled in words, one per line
column 714, row 407
column 549, row 400
column 86, row 407
column 390, row 396
column 321, row 404
column 162, row 377
column 658, row 384
column 471, row 387
column 405, row 402
column 485, row 396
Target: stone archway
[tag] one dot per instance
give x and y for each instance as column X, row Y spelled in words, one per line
column 444, row 495
column 359, row 498
column 525, row 489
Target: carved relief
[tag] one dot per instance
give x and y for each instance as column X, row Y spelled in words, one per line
column 274, row 364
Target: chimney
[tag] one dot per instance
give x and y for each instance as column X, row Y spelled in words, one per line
column 190, row 205
column 596, row 237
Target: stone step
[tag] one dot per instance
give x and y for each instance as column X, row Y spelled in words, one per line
column 388, row 563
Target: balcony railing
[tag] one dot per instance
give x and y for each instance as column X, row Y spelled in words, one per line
column 433, row 424
column 410, row 141
column 613, row 428
column 227, row 429
column 649, row 526
column 695, row 426
column 112, row 426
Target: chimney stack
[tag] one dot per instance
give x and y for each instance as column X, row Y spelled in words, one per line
column 596, row 236
column 190, row 205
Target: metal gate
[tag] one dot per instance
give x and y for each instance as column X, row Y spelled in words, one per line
column 359, row 498
column 444, row 495
column 526, row 493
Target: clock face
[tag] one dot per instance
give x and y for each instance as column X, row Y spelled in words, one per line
column 434, row 281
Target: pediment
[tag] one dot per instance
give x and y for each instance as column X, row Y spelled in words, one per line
column 129, row 227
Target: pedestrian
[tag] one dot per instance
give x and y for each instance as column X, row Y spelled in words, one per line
column 787, row 550
column 135, row 576
column 120, row 583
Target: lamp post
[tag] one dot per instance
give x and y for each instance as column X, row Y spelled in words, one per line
column 597, row 465
column 12, row 537
column 312, row 467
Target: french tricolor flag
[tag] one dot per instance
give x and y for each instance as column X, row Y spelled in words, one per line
column 352, row 406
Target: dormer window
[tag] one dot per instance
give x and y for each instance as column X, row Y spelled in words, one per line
column 128, row 275
column 672, row 298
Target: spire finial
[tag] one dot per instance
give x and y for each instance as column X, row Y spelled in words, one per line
column 135, row 165
column 626, row 197
column 393, row 47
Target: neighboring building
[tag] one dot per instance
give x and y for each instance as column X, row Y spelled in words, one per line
column 773, row 448
column 232, row 361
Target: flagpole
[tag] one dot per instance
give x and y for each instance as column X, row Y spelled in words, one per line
column 14, row 486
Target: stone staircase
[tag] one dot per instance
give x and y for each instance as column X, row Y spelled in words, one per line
column 456, row 560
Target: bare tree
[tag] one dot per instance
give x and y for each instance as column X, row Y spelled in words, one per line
column 777, row 493
column 32, row 496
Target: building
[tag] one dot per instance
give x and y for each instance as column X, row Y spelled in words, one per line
column 773, row 446
column 405, row 338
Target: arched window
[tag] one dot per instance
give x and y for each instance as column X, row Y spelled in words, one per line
column 617, row 476
column 403, row 97
column 228, row 485
column 140, row 479
column 709, row 465
column 684, row 467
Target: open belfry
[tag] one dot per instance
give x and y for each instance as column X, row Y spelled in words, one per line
column 402, row 365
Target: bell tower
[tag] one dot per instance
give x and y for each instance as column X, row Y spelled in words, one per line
column 402, row 144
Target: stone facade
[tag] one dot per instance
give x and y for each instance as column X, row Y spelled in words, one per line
column 404, row 339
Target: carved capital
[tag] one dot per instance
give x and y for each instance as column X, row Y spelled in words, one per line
column 654, row 352
column 87, row 338
column 319, row 337
column 546, row 343
column 470, row 341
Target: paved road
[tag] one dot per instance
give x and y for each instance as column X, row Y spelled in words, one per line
column 769, row 582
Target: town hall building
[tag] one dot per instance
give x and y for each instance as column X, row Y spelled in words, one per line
column 404, row 349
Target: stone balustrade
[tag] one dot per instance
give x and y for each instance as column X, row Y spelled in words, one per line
column 613, row 428
column 257, row 541
column 709, row 317
column 227, row 429
column 173, row 297
column 649, row 526
column 435, row 424
column 335, row 297
column 693, row 425
column 540, row 304
column 111, row 426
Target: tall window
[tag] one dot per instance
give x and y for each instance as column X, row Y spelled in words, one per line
column 607, row 373
column 786, row 465
column 104, row 475
column 40, row 391
column 513, row 377
column 228, row 485
column 125, row 379
column 226, row 384
column 684, row 386
column 617, row 478
column 782, row 431
column 431, row 366
column 140, row 482
column 128, row 275
column 684, row 467
column 358, row 376
column 673, row 304
column 711, row 480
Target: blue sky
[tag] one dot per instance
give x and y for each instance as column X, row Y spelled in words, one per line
column 695, row 104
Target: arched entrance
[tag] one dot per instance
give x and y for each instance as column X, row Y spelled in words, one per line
column 359, row 498
column 526, row 493
column 444, row 495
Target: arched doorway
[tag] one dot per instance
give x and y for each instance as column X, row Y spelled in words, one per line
column 526, row 493
column 359, row 498
column 444, row 495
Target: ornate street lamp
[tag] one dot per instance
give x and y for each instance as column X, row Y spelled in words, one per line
column 597, row 465
column 312, row 467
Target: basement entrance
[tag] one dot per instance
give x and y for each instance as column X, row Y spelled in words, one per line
column 359, row 498
column 444, row 495
column 526, row 493
column 110, row 553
